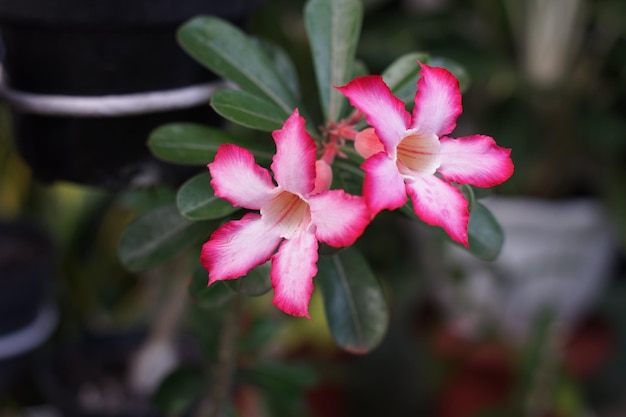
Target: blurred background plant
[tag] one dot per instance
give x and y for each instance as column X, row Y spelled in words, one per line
column 548, row 79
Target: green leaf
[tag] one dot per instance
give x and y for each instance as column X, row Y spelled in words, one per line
column 180, row 390
column 279, row 377
column 248, row 110
column 259, row 334
column 196, row 144
column 359, row 69
column 348, row 177
column 455, row 68
column 283, row 385
column 143, row 199
column 485, row 234
column 283, row 65
column 355, row 305
column 187, row 143
column 159, row 235
column 196, row 200
column 402, row 75
column 256, row 282
column 468, row 193
column 208, row 297
column 333, row 27
column 230, row 53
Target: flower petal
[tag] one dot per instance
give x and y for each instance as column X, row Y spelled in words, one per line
column 323, row 176
column 383, row 111
column 475, row 160
column 237, row 247
column 294, row 162
column 236, row 178
column 440, row 204
column 339, row 217
column 288, row 214
column 383, row 186
column 367, row 143
column 293, row 269
column 437, row 101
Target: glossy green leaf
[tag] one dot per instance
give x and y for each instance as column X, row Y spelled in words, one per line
column 455, row 68
column 146, row 198
column 187, row 143
column 196, row 144
column 256, row 282
column 230, row 53
column 355, row 305
column 159, row 235
column 333, row 27
column 196, row 200
column 283, row 64
column 359, row 69
column 180, row 390
column 468, row 193
column 402, row 75
column 485, row 233
column 248, row 110
column 208, row 297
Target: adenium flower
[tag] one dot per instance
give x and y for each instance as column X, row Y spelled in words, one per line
column 410, row 154
column 294, row 214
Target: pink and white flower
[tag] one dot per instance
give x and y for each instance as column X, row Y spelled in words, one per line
column 294, row 214
column 411, row 154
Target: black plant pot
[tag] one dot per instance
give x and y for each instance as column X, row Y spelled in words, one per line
column 27, row 318
column 91, row 48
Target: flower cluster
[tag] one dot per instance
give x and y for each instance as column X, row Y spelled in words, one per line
column 405, row 154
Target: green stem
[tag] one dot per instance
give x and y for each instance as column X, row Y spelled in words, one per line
column 224, row 369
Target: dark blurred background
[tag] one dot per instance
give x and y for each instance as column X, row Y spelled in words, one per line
column 540, row 332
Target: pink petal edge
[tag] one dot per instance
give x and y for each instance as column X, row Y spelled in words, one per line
column 339, row 218
column 294, row 163
column 367, row 143
column 238, row 246
column 437, row 101
column 323, row 177
column 383, row 111
column 293, row 269
column 383, row 186
column 475, row 160
column 238, row 179
column 438, row 203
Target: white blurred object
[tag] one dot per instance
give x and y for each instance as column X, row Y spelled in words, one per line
column 31, row 336
column 556, row 255
column 155, row 361
column 548, row 33
column 158, row 355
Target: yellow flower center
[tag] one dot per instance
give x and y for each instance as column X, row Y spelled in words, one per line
column 288, row 212
column 418, row 154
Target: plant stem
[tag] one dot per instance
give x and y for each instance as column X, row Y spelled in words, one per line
column 222, row 376
column 538, row 400
column 158, row 354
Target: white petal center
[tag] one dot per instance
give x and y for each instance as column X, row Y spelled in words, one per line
column 288, row 212
column 418, row 154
